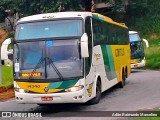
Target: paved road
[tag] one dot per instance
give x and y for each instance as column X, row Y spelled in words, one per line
column 141, row 92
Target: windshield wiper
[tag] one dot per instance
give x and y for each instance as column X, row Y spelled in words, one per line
column 37, row 66
column 55, row 68
column 50, row 62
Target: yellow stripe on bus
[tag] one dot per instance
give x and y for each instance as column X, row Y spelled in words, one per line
column 36, row 87
column 109, row 20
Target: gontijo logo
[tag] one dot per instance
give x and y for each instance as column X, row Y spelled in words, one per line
column 119, row 52
column 97, row 56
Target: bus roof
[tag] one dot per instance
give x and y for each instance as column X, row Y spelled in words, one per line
column 109, row 20
column 133, row 32
column 48, row 16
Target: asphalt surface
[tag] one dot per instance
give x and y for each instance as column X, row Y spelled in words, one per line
column 140, row 93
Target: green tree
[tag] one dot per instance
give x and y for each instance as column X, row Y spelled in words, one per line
column 2, row 10
column 30, row 7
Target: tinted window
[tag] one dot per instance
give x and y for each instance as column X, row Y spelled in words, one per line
column 88, row 30
column 49, row 29
column 109, row 34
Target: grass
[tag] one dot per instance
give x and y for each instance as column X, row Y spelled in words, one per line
column 152, row 54
column 7, row 76
column 146, row 118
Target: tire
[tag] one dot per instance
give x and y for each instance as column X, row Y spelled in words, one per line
column 126, row 72
column 97, row 98
column 123, row 82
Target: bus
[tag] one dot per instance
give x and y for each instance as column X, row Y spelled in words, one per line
column 69, row 57
column 137, row 50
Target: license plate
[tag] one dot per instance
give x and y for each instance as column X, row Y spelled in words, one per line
column 47, row 98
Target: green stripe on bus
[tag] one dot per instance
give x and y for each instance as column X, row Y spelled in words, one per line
column 54, row 85
column 97, row 17
column 67, row 84
column 62, row 84
column 108, row 61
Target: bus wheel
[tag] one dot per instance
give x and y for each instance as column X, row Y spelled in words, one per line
column 123, row 82
column 98, row 94
column 126, row 72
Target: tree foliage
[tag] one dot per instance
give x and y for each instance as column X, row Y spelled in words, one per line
column 2, row 10
column 30, row 7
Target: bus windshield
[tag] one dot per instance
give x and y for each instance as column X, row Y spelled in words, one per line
column 137, row 50
column 49, row 29
column 53, row 59
column 134, row 38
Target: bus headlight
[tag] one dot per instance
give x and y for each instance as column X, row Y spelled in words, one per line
column 21, row 90
column 74, row 88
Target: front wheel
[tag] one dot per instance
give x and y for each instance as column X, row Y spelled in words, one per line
column 97, row 98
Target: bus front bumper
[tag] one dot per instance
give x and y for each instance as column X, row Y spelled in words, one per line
column 66, row 97
column 138, row 65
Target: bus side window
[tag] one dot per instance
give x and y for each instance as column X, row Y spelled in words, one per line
column 88, row 30
column 97, row 32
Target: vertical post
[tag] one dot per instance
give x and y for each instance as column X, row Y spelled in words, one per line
column 0, row 67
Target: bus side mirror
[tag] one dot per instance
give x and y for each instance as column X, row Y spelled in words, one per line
column 84, row 46
column 146, row 42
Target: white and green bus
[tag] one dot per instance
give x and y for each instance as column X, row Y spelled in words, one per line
column 137, row 50
column 69, row 57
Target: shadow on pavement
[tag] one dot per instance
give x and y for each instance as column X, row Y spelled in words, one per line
column 137, row 70
column 60, row 110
